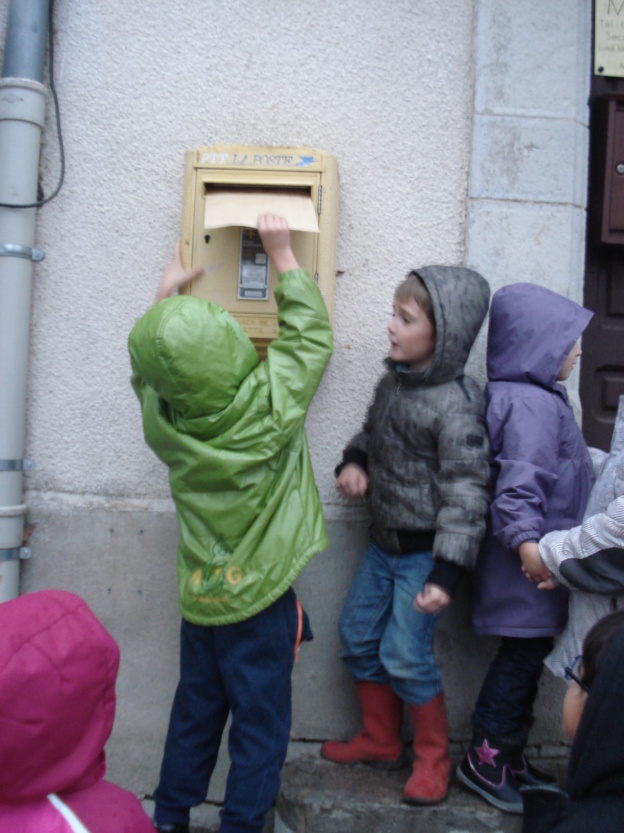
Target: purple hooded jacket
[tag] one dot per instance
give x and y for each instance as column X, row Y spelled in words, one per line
column 541, row 470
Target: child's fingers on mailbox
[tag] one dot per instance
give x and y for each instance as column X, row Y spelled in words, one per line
column 273, row 230
column 275, row 221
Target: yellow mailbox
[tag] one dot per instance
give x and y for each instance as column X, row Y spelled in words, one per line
column 225, row 188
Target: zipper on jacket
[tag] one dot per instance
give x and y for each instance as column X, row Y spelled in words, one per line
column 384, row 412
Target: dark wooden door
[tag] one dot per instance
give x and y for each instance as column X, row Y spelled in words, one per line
column 602, row 364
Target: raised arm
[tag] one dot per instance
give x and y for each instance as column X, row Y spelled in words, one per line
column 175, row 276
column 275, row 236
column 297, row 358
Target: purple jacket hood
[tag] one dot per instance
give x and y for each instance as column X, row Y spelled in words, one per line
column 532, row 330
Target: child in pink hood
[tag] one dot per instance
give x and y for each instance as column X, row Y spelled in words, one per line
column 58, row 667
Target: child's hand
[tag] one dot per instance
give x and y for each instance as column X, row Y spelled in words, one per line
column 432, row 599
column 550, row 584
column 273, row 231
column 532, row 565
column 175, row 277
column 352, row 481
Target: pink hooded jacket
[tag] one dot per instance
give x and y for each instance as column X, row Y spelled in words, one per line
column 58, row 667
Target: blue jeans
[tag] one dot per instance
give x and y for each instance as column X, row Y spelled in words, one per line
column 384, row 639
column 244, row 669
column 504, row 708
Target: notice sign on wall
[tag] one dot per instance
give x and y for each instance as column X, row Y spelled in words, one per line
column 609, row 38
column 253, row 277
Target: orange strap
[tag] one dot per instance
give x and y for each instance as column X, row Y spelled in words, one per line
column 299, row 629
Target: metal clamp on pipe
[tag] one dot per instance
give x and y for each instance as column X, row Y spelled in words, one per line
column 15, row 250
column 13, row 511
column 17, row 465
column 15, row 554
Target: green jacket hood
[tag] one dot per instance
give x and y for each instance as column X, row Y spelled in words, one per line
column 195, row 376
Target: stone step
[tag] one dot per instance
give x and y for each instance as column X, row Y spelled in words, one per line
column 321, row 797
column 317, row 796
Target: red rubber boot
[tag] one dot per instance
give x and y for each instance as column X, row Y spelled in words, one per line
column 428, row 783
column 379, row 743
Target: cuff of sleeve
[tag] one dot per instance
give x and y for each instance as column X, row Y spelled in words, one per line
column 446, row 575
column 293, row 274
column 521, row 537
column 548, row 556
column 352, row 455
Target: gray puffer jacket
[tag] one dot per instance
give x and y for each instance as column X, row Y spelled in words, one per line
column 424, row 443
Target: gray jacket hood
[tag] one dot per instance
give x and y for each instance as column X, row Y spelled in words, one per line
column 460, row 299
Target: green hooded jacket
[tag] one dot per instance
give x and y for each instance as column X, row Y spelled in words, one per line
column 231, row 431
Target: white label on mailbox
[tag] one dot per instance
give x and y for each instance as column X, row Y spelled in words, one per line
column 253, row 276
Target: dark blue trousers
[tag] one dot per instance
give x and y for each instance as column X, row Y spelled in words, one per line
column 244, row 669
column 504, row 708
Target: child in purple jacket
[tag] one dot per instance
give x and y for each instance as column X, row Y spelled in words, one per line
column 542, row 476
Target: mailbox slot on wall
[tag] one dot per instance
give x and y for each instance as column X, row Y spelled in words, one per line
column 225, row 189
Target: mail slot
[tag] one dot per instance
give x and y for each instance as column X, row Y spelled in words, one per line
column 225, row 188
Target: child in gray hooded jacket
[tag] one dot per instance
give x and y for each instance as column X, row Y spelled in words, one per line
column 421, row 460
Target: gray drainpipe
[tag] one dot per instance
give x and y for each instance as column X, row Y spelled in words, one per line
column 22, row 112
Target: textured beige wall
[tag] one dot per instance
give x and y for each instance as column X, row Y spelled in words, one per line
column 384, row 86
column 388, row 88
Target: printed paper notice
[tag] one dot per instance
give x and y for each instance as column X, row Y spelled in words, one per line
column 253, row 278
column 609, row 38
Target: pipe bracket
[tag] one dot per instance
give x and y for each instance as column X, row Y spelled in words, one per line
column 16, row 250
column 15, row 554
column 13, row 511
column 17, row 465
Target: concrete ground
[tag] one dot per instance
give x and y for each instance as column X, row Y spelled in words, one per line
column 319, row 797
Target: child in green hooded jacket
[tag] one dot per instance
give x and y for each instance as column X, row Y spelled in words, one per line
column 231, row 431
